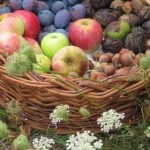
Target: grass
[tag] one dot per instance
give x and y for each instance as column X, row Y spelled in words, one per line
column 126, row 138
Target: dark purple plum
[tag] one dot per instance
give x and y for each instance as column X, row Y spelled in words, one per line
column 66, row 2
column 51, row 28
column 62, row 18
column 4, row 10
column 15, row 5
column 29, row 4
column 58, row 5
column 63, row 31
column 43, row 0
column 41, row 6
column 73, row 2
column 67, row 28
column 41, row 35
column 46, row 17
column 50, row 2
column 77, row 12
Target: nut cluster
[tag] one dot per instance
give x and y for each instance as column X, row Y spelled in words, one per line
column 121, row 63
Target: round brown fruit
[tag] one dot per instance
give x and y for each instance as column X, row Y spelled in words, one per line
column 109, row 70
column 101, row 76
column 111, row 55
column 115, row 60
column 104, row 58
column 102, row 66
column 125, row 59
column 93, row 74
column 96, row 55
column 147, row 52
column 122, row 71
column 147, row 44
column 138, row 57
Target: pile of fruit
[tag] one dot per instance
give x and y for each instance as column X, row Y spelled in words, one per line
column 58, row 36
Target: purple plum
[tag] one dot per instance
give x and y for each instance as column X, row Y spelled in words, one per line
column 41, row 35
column 41, row 6
column 29, row 4
column 77, row 12
column 63, row 31
column 51, row 28
column 62, row 18
column 67, row 28
column 50, row 2
column 66, row 2
column 73, row 2
column 58, row 5
column 4, row 10
column 46, row 17
column 15, row 5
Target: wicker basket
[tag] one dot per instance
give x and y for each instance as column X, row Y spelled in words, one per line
column 40, row 94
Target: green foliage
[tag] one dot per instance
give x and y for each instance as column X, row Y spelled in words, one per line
column 28, row 51
column 21, row 143
column 84, row 112
column 14, row 107
column 17, row 64
column 145, row 63
column 4, row 132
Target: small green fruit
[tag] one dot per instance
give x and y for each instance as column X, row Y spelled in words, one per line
column 3, row 130
column 117, row 30
column 43, row 64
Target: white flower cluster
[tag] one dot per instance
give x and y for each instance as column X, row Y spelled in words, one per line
column 60, row 113
column 147, row 132
column 84, row 141
column 110, row 120
column 42, row 143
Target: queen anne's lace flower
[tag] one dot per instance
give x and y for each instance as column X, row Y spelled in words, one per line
column 110, row 120
column 60, row 113
column 42, row 143
column 84, row 141
column 147, row 132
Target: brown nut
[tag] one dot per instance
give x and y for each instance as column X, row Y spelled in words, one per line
column 104, row 58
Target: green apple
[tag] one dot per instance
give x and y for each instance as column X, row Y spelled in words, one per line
column 117, row 30
column 53, row 42
column 42, row 65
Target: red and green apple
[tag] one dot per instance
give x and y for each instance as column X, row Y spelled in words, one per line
column 70, row 59
column 12, row 23
column 31, row 23
column 11, row 42
column 34, row 45
column 86, row 33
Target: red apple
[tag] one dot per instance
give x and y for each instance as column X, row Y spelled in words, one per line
column 34, row 45
column 86, row 33
column 31, row 22
column 11, row 42
column 70, row 59
column 12, row 23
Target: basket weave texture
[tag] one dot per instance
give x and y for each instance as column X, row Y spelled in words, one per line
column 40, row 94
